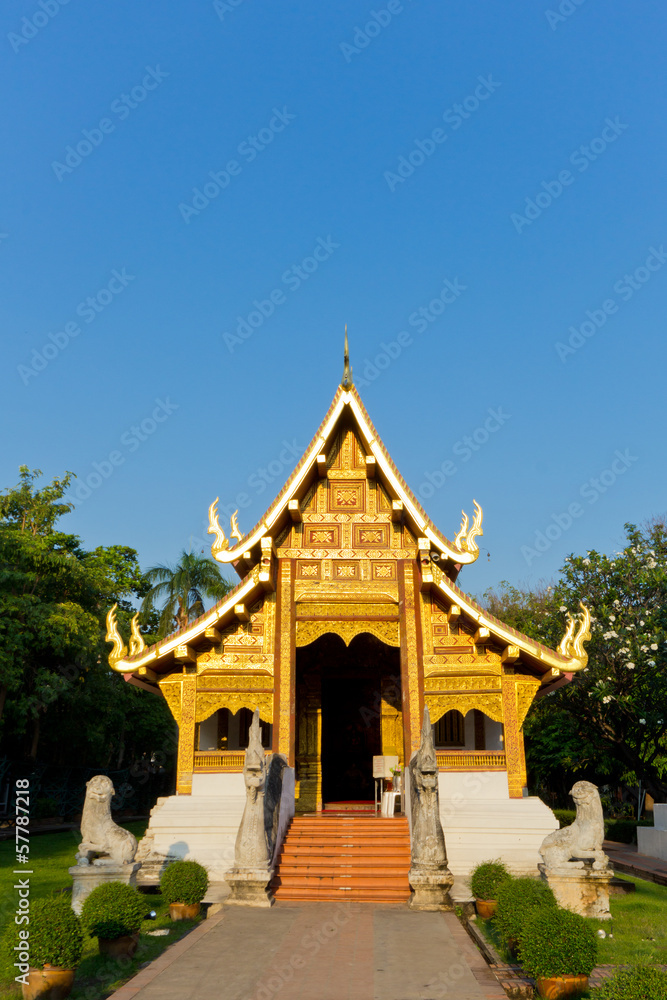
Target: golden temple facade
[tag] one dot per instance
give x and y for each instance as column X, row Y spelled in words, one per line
column 346, row 621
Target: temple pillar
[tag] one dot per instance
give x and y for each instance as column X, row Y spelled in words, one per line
column 309, row 744
column 285, row 663
column 186, row 732
column 515, row 757
column 411, row 656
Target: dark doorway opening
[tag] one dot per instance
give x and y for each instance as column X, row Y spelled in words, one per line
column 351, row 682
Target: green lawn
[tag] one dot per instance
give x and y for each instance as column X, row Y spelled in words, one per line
column 638, row 928
column 51, row 854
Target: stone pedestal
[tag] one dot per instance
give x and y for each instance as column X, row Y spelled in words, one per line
column 430, row 889
column 581, row 890
column 88, row 877
column 249, row 888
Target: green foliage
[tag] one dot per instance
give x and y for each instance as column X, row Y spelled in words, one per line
column 517, row 899
column 184, row 882
column 610, row 722
column 56, row 937
column 641, row 983
column 486, row 879
column 555, row 942
column 565, row 817
column 181, row 590
column 113, row 910
column 43, row 808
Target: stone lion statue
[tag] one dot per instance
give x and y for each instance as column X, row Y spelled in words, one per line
column 100, row 835
column 565, row 849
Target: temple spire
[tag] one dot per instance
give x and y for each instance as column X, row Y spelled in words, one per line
column 347, row 371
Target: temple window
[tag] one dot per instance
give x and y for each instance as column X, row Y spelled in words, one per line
column 449, row 731
column 226, row 731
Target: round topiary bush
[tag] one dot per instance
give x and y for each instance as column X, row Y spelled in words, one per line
column 517, row 898
column 184, row 882
column 113, row 910
column 56, row 937
column 557, row 943
column 641, row 983
column 486, row 879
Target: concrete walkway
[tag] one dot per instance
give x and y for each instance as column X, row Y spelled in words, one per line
column 320, row 951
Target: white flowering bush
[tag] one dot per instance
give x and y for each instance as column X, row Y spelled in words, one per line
column 611, row 720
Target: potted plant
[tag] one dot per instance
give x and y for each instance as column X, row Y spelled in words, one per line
column 559, row 949
column 485, row 880
column 113, row 913
column 55, row 945
column 183, row 884
column 517, row 899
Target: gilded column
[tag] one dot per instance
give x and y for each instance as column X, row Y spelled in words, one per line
column 410, row 659
column 186, row 733
column 514, row 752
column 285, row 659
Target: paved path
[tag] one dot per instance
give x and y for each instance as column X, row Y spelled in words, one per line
column 320, row 951
column 625, row 858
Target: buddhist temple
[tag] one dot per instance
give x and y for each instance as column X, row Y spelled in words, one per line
column 346, row 621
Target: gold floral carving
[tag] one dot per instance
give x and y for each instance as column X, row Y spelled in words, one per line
column 309, row 631
column 242, row 681
column 526, row 689
column 172, row 695
column 516, row 769
column 285, row 654
column 209, row 703
column 462, row 684
column 186, row 735
column 383, row 571
column 412, row 664
column 439, row 704
column 336, row 609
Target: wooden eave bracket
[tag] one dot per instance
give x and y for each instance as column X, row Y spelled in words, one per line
column 425, row 564
column 396, row 511
column 185, row 654
column 294, row 508
column 453, row 614
column 371, row 466
column 510, row 654
column 146, row 674
column 322, row 465
column 481, row 635
column 241, row 612
column 267, row 565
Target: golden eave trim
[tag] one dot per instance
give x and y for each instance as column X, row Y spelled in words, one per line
column 169, row 645
column 556, row 662
column 346, row 398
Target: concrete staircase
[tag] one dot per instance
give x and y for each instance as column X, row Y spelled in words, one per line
column 339, row 857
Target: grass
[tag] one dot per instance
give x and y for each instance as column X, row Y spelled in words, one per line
column 51, row 854
column 638, row 926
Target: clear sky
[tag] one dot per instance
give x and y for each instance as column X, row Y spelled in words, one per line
column 197, row 197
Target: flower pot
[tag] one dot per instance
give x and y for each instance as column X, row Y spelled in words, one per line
column 124, row 946
column 556, row 987
column 49, row 983
column 184, row 911
column 486, row 908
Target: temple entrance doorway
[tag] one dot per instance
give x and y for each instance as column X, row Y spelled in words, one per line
column 348, row 711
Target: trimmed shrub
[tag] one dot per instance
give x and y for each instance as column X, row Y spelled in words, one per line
column 184, row 882
column 565, row 816
column 56, row 937
column 641, row 983
column 486, row 879
column 623, row 831
column 557, row 943
column 113, row 910
column 517, row 899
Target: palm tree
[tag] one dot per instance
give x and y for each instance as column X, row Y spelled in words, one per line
column 181, row 589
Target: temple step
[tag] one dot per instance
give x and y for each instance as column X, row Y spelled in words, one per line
column 365, row 859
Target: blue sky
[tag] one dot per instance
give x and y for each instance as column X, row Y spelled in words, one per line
column 166, row 167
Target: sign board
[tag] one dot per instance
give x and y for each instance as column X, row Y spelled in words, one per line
column 382, row 766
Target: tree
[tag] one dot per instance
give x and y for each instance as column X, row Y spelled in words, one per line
column 180, row 590
column 611, row 719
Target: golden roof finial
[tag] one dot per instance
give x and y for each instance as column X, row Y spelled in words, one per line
column 347, row 371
